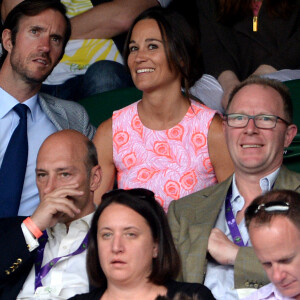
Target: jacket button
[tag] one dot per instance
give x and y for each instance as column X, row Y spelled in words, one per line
column 19, row 260
column 12, row 268
column 7, row 272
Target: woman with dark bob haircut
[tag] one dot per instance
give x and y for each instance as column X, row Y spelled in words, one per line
column 165, row 142
column 131, row 253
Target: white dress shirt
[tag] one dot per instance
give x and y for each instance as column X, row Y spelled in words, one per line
column 220, row 278
column 39, row 127
column 68, row 277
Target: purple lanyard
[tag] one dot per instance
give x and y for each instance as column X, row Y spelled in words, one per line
column 230, row 219
column 41, row 272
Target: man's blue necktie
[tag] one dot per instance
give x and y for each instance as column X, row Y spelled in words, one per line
column 13, row 168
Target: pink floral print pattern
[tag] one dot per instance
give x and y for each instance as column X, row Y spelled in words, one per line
column 172, row 163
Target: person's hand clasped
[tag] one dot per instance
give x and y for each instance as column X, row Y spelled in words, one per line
column 221, row 248
column 55, row 205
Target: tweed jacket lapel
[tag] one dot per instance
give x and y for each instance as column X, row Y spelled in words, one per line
column 287, row 180
column 211, row 200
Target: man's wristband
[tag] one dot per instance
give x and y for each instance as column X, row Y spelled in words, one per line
column 32, row 227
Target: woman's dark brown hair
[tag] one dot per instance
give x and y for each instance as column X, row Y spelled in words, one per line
column 167, row 263
column 180, row 42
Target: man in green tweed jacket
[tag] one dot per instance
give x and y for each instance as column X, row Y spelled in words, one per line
column 258, row 126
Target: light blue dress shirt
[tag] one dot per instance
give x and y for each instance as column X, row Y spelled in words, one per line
column 39, row 127
column 220, row 278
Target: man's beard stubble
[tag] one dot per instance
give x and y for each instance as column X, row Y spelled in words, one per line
column 20, row 68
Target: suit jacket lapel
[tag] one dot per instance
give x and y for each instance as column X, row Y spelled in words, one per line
column 287, row 180
column 199, row 232
column 55, row 113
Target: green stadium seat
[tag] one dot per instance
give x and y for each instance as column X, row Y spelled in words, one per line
column 101, row 106
column 291, row 157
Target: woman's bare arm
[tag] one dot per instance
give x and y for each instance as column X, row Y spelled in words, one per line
column 104, row 144
column 218, row 151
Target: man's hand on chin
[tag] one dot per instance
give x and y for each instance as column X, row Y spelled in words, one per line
column 55, row 206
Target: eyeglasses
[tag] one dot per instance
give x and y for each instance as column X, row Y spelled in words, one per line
column 270, row 207
column 138, row 192
column 260, row 121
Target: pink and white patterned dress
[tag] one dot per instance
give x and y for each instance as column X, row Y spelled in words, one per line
column 172, row 163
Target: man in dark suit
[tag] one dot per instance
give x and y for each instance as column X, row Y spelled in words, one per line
column 33, row 40
column 208, row 226
column 53, row 264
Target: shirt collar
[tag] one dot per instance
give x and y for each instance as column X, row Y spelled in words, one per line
column 269, row 290
column 236, row 205
column 82, row 222
column 266, row 183
column 8, row 102
column 235, row 191
column 33, row 105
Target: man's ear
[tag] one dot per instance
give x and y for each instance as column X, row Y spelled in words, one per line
column 290, row 134
column 6, row 40
column 95, row 178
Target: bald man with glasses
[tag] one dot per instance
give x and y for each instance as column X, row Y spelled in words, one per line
column 209, row 226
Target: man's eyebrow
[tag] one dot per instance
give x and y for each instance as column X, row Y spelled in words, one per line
column 37, row 27
column 282, row 259
column 68, row 168
column 287, row 257
column 59, row 36
column 43, row 29
column 64, row 169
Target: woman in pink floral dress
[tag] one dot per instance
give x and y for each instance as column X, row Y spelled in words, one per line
column 165, row 142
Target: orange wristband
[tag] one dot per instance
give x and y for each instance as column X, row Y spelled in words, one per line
column 32, row 227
